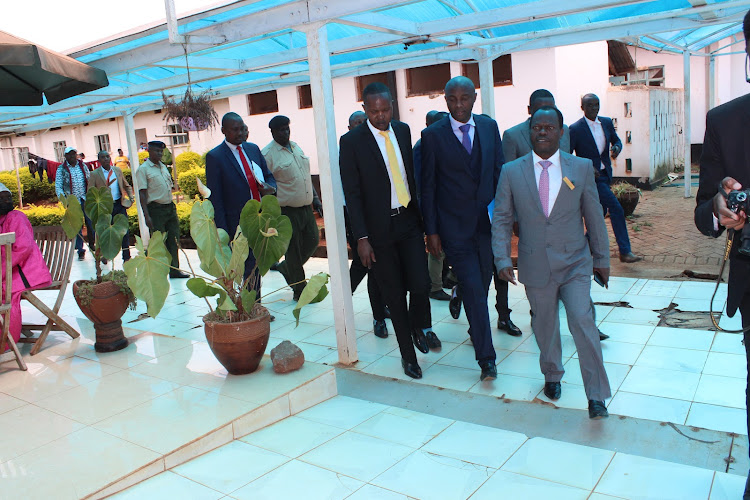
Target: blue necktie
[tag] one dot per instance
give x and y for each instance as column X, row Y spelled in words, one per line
column 466, row 140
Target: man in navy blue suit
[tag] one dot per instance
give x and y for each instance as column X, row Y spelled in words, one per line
column 236, row 172
column 461, row 159
column 591, row 137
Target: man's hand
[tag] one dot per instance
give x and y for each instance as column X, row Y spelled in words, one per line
column 265, row 188
column 318, row 207
column 604, row 272
column 148, row 221
column 366, row 253
column 507, row 274
column 434, row 246
column 615, row 151
column 727, row 218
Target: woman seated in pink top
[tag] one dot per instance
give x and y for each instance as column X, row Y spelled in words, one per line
column 29, row 269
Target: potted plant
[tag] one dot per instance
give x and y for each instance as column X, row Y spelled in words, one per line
column 238, row 328
column 105, row 298
column 628, row 196
column 193, row 112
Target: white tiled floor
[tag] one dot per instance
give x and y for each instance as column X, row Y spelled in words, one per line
column 444, row 459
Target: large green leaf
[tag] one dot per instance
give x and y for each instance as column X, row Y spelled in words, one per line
column 99, row 204
column 212, row 243
column 240, row 250
column 148, row 273
column 72, row 220
column 109, row 236
column 201, row 288
column 248, row 299
column 315, row 291
column 267, row 231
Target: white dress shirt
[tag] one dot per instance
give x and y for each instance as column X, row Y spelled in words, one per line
column 598, row 132
column 381, row 144
column 256, row 168
column 460, row 135
column 555, row 176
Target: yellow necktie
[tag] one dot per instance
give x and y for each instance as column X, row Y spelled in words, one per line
column 398, row 180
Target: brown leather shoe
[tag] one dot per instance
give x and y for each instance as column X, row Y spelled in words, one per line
column 629, row 258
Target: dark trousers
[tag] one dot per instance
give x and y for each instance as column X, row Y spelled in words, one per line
column 164, row 218
column 501, row 302
column 357, row 273
column 401, row 267
column 472, row 263
column 616, row 213
column 745, row 313
column 90, row 234
column 304, row 242
column 117, row 208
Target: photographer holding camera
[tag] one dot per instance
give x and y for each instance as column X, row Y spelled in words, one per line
column 725, row 167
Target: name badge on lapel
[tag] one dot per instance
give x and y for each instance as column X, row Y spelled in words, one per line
column 570, row 184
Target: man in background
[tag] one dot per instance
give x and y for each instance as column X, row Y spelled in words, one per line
column 111, row 177
column 73, row 178
column 295, row 192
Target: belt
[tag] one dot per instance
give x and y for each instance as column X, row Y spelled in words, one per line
column 397, row 211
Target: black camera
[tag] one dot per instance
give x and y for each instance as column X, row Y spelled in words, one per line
column 738, row 201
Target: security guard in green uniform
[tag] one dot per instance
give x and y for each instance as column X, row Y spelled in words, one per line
column 155, row 192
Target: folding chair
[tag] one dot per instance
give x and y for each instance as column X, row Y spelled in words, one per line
column 7, row 240
column 58, row 252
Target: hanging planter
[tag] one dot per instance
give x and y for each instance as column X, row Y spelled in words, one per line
column 193, row 112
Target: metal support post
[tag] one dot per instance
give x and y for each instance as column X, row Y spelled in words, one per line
column 134, row 165
column 686, row 126
column 332, row 193
column 487, row 84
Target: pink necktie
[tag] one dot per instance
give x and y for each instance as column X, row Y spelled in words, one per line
column 544, row 186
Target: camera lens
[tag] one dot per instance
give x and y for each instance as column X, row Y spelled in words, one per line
column 741, row 196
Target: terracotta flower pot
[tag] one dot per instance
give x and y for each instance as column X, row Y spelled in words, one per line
column 107, row 306
column 628, row 201
column 239, row 347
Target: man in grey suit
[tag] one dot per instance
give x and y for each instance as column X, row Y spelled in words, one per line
column 517, row 143
column 552, row 193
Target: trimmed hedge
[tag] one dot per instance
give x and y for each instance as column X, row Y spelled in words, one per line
column 188, row 184
column 128, row 174
column 142, row 156
column 9, row 179
column 45, row 215
column 188, row 160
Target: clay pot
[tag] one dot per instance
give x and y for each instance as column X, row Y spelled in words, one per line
column 239, row 347
column 628, row 201
column 105, row 310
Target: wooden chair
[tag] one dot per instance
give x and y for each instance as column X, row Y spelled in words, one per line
column 58, row 252
column 7, row 240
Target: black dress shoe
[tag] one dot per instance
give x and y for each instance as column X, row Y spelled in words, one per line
column 420, row 341
column 178, row 275
column 274, row 266
column 597, row 410
column 411, row 369
column 433, row 342
column 508, row 327
column 629, row 258
column 440, row 295
column 380, row 329
column 387, row 312
column 81, row 254
column 552, row 390
column 104, row 261
column 454, row 306
column 603, row 336
column 489, row 371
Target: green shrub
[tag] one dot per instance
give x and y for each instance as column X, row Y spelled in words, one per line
column 188, row 184
column 142, row 156
column 128, row 174
column 203, row 158
column 9, row 179
column 35, row 190
column 45, row 215
column 188, row 160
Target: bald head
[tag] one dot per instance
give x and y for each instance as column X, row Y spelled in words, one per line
column 459, row 82
column 460, row 96
column 356, row 119
column 229, row 118
column 590, row 106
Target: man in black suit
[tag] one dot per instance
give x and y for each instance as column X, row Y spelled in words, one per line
column 725, row 166
column 236, row 172
column 461, row 159
column 378, row 179
column 591, row 137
